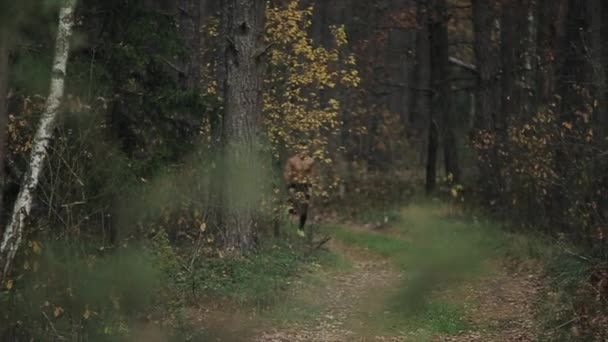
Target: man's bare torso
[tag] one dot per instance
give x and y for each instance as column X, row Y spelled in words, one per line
column 299, row 169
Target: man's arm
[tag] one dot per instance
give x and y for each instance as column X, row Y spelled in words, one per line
column 287, row 172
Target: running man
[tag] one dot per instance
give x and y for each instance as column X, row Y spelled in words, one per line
column 298, row 176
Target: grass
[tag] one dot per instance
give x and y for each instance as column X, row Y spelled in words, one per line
column 258, row 280
column 435, row 252
column 432, row 248
column 568, row 274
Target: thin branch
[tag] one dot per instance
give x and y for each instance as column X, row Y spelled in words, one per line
column 322, row 242
column 463, row 64
column 403, row 85
column 264, row 50
column 565, row 324
column 173, row 66
column 59, row 336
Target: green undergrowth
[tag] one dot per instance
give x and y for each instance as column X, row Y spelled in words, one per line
column 71, row 289
column 572, row 307
column 259, row 279
column 434, row 251
column 436, row 317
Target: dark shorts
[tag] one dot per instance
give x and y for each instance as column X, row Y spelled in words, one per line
column 303, row 188
column 299, row 196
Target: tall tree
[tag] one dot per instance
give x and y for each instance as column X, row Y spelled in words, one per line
column 597, row 57
column 510, row 43
column 243, row 32
column 4, row 54
column 487, row 99
column 551, row 19
column 190, row 21
column 486, row 55
column 13, row 233
column 421, row 100
column 441, row 106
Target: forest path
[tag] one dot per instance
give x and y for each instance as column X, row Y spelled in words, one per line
column 429, row 277
column 335, row 305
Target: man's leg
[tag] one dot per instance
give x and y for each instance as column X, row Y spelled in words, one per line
column 303, row 216
column 305, row 204
column 291, row 199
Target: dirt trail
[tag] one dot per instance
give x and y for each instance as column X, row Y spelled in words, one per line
column 346, row 298
column 332, row 305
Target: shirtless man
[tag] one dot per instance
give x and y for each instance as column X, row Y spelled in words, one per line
column 298, row 175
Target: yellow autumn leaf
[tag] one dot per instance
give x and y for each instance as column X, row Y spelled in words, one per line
column 203, row 227
column 86, row 314
column 9, row 284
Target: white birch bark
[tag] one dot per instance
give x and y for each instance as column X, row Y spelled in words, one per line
column 14, row 231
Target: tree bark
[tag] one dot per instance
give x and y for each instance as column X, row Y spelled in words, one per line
column 550, row 32
column 190, row 21
column 421, row 101
column 487, row 99
column 11, row 239
column 509, row 58
column 4, row 54
column 244, row 74
column 596, row 55
column 486, row 55
column 441, row 85
column 422, row 95
column 431, row 160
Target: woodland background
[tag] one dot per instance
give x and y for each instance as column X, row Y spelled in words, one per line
column 159, row 170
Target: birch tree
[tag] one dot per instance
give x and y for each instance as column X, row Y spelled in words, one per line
column 14, row 231
column 4, row 50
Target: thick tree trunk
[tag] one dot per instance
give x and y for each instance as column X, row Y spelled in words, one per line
column 11, row 239
column 4, row 51
column 244, row 74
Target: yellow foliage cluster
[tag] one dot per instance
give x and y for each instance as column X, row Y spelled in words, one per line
column 298, row 72
column 535, row 142
column 554, row 154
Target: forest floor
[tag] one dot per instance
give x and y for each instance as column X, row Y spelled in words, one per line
column 427, row 277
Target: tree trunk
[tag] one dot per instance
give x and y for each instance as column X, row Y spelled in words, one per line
column 441, row 85
column 431, row 159
column 422, row 97
column 487, row 99
column 597, row 57
column 4, row 51
column 23, row 204
column 244, row 74
column 552, row 14
column 509, row 59
column 190, row 21
column 528, row 18
column 486, row 108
